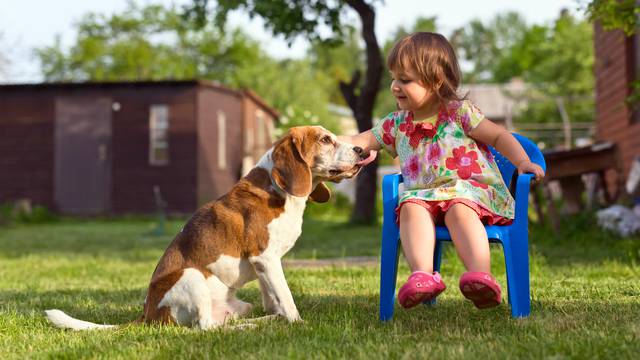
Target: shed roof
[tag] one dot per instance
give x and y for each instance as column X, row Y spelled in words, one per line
column 148, row 83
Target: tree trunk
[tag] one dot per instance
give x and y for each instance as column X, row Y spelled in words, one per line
column 362, row 104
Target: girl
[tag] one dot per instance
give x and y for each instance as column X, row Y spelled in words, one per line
column 449, row 173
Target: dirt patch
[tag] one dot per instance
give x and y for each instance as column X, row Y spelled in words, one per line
column 336, row 262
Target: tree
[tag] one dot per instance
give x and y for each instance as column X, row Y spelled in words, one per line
column 148, row 43
column 156, row 43
column 555, row 59
column 483, row 46
column 305, row 18
column 615, row 14
column 623, row 15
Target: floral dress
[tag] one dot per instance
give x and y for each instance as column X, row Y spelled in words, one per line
column 442, row 165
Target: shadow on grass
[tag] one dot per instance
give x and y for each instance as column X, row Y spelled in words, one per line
column 333, row 326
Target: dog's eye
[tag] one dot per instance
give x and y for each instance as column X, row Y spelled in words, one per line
column 326, row 140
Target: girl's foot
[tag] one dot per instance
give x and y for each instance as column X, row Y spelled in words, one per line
column 481, row 288
column 420, row 287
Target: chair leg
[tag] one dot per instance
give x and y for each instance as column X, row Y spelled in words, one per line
column 516, row 258
column 388, row 272
column 437, row 261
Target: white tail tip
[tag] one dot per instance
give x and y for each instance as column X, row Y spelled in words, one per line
column 64, row 321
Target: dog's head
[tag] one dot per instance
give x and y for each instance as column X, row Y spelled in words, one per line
column 308, row 155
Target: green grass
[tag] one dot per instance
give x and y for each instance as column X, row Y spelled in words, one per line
column 585, row 289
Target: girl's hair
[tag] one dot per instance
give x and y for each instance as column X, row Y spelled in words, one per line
column 432, row 58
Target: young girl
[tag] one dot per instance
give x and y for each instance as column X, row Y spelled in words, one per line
column 449, row 173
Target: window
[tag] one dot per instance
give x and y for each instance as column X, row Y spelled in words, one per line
column 158, row 135
column 260, row 132
column 222, row 140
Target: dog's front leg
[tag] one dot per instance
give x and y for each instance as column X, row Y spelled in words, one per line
column 274, row 286
column 268, row 302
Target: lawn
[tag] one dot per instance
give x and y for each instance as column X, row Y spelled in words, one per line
column 585, row 289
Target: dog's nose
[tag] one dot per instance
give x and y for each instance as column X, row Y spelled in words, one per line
column 358, row 150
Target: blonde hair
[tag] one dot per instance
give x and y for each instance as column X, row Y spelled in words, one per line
column 432, row 58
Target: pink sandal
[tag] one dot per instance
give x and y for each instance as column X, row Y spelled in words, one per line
column 481, row 288
column 420, row 287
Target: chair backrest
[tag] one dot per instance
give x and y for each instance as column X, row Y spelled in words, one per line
column 507, row 168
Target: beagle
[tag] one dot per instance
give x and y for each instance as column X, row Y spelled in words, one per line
column 242, row 236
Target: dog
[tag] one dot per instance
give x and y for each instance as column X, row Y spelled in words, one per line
column 242, row 237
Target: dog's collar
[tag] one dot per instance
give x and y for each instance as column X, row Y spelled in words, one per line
column 280, row 191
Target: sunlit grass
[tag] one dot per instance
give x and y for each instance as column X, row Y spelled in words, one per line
column 585, row 290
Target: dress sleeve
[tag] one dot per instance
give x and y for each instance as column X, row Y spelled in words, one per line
column 470, row 116
column 385, row 133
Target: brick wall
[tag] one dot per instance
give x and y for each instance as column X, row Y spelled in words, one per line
column 26, row 147
column 133, row 176
column 614, row 71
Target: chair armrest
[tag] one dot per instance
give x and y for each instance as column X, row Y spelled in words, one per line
column 523, row 185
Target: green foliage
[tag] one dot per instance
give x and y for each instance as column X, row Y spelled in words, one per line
column 338, row 61
column 615, row 14
column 285, row 17
column 149, row 43
column 486, row 46
column 623, row 15
column 555, row 60
column 12, row 214
column 154, row 43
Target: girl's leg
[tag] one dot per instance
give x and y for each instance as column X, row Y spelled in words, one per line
column 469, row 237
column 417, row 234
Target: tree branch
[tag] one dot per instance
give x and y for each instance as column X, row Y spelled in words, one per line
column 349, row 90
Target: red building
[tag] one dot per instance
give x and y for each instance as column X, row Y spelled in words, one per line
column 617, row 65
column 93, row 148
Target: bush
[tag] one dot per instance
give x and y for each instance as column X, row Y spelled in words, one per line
column 337, row 207
column 22, row 212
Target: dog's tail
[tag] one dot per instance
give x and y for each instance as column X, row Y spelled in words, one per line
column 64, row 321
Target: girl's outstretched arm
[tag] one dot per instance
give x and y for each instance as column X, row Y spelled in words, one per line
column 365, row 140
column 502, row 140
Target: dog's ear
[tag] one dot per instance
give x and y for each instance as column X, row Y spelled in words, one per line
column 321, row 193
column 291, row 171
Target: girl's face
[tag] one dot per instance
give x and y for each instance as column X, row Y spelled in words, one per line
column 409, row 92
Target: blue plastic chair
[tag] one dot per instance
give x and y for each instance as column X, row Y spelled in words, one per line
column 514, row 237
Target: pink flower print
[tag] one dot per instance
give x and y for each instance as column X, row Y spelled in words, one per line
column 412, row 168
column 464, row 162
column 444, row 117
column 465, row 121
column 432, row 154
column 387, row 126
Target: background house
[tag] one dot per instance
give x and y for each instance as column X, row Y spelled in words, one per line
column 92, row 148
column 617, row 66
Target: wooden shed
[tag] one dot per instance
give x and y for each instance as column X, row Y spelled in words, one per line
column 102, row 147
column 617, row 65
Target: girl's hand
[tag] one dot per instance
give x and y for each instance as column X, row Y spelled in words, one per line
column 526, row 166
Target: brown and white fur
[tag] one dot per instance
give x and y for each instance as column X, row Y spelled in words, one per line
column 243, row 236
